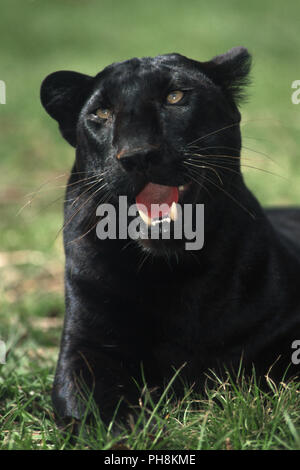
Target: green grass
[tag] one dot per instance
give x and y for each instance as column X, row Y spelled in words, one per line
column 231, row 416
column 38, row 38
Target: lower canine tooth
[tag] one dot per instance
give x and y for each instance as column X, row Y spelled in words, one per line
column 174, row 212
column 145, row 217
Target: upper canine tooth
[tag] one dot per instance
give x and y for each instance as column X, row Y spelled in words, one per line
column 145, row 217
column 174, row 212
column 181, row 188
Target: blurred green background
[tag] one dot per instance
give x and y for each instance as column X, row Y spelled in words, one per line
column 42, row 36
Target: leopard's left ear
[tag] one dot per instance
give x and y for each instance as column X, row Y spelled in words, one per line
column 63, row 95
column 230, row 71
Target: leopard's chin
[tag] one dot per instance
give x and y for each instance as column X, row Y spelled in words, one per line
column 162, row 247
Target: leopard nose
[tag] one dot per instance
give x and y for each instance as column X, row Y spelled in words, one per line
column 140, row 159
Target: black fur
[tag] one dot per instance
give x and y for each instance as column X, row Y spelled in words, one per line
column 237, row 297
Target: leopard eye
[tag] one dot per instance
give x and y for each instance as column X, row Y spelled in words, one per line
column 175, row 97
column 103, row 113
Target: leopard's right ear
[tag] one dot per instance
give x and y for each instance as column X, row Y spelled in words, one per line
column 63, row 95
column 230, row 71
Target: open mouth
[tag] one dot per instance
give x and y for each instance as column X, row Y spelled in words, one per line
column 158, row 203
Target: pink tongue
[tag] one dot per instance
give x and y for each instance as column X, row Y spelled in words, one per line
column 157, row 194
